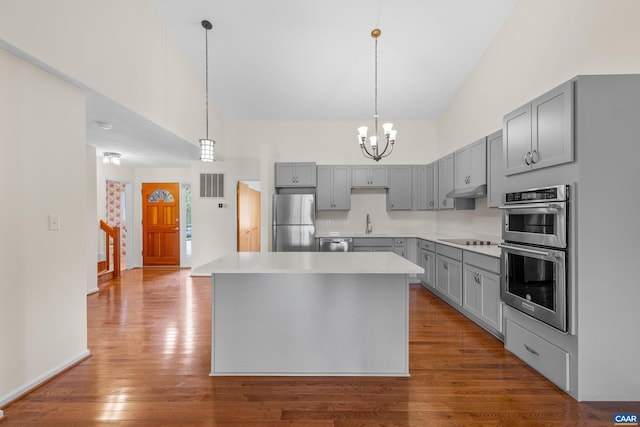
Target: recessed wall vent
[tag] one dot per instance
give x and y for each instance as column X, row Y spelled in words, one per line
column 211, row 185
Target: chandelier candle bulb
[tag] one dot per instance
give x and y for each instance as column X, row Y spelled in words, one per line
column 387, row 127
column 373, row 140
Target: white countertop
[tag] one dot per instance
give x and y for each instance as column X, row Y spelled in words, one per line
column 310, row 262
column 491, row 250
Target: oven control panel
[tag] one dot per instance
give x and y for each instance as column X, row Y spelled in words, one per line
column 557, row 193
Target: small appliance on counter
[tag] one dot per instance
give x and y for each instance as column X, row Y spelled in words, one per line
column 294, row 227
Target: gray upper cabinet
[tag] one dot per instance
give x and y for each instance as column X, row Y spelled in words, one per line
column 369, row 176
column 445, row 182
column 495, row 170
column 400, row 194
column 421, row 188
column 426, row 187
column 540, row 133
column 432, row 186
column 334, row 188
column 295, row 174
column 471, row 165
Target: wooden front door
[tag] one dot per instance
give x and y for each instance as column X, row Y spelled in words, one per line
column 160, row 224
column 248, row 218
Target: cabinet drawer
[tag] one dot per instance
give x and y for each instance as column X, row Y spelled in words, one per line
column 546, row 358
column 398, row 242
column 484, row 262
column 427, row 245
column 373, row 241
column 449, row 251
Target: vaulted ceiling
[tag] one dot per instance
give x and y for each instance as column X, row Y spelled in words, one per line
column 313, row 60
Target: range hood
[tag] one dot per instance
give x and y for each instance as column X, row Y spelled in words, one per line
column 468, row 193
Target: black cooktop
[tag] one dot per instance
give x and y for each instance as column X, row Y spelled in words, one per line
column 470, row 242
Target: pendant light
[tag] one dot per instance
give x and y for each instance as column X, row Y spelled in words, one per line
column 206, row 144
column 375, row 151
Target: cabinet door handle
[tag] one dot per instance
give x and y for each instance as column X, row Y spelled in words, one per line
column 444, row 202
column 535, row 157
column 445, row 265
column 530, row 350
column 526, row 158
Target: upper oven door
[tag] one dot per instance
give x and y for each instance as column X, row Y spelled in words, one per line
column 542, row 224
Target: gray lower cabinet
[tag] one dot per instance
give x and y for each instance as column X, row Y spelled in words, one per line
column 495, row 170
column 428, row 262
column 400, row 193
column 373, row 244
column 334, row 188
column 481, row 290
column 542, row 355
column 400, row 247
column 449, row 273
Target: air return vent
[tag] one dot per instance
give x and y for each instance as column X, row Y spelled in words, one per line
column 211, row 185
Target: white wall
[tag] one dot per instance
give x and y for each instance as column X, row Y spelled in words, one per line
column 118, row 48
column 214, row 228
column 43, row 305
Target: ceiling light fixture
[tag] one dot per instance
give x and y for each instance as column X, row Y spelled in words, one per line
column 374, row 151
column 113, row 158
column 206, row 144
column 104, row 125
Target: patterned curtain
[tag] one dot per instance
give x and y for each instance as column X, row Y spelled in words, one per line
column 115, row 195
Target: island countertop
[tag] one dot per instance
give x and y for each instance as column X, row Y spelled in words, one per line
column 311, row 262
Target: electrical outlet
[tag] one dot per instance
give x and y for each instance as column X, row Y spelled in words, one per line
column 54, row 222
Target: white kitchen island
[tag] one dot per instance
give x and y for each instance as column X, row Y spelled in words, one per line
column 310, row 313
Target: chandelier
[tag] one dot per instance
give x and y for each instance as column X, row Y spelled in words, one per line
column 375, row 151
column 206, row 144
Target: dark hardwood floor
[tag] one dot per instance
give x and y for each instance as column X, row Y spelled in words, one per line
column 149, row 335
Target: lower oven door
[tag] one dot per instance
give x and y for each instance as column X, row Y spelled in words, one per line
column 535, row 282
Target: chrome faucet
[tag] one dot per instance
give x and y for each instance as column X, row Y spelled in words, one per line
column 369, row 228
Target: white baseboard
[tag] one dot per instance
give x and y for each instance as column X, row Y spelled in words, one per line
column 31, row 385
column 93, row 291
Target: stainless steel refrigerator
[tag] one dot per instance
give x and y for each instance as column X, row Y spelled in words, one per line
column 294, row 217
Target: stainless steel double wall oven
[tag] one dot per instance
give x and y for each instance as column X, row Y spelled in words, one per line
column 535, row 252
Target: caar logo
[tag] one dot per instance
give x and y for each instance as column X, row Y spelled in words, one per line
column 625, row 419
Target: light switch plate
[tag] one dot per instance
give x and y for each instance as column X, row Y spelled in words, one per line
column 54, row 222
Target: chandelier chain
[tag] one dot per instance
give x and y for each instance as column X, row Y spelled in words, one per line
column 375, row 96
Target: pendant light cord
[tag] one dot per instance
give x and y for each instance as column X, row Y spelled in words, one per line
column 206, row 76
